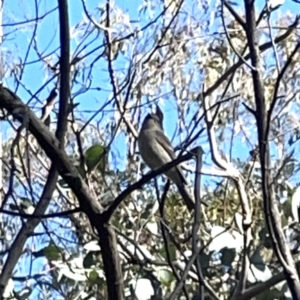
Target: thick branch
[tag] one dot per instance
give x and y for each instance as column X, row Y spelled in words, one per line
column 88, row 203
column 91, row 206
column 16, row 248
column 19, row 242
column 270, row 207
column 64, row 92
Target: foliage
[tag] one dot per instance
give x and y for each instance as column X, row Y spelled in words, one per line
column 195, row 60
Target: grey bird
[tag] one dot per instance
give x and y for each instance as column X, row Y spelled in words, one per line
column 156, row 150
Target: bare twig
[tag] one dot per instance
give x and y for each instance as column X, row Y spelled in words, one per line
column 262, row 48
column 197, row 218
column 165, row 239
column 46, row 196
column 235, row 175
column 229, row 39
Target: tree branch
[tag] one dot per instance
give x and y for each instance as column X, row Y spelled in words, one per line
column 270, row 206
column 69, row 173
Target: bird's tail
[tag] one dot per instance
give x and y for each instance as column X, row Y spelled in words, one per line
column 187, row 197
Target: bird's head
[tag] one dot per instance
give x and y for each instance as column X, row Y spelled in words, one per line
column 151, row 121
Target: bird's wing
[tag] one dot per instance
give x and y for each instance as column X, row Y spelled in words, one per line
column 165, row 143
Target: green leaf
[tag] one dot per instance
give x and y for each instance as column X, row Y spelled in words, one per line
column 95, row 157
column 269, row 295
column 165, row 277
column 52, row 252
column 257, row 260
column 93, row 275
column 204, row 262
column 63, row 183
column 228, row 255
column 89, row 260
column 172, row 251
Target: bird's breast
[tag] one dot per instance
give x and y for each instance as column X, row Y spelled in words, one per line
column 153, row 154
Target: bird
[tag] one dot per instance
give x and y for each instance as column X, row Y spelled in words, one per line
column 156, row 150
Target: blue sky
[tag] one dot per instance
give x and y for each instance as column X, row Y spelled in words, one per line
column 47, row 41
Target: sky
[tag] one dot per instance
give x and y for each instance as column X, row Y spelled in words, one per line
column 47, row 41
column 34, row 76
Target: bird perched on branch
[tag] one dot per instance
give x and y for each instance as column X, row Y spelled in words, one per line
column 156, row 151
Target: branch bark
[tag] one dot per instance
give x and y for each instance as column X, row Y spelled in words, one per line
column 20, row 240
column 88, row 203
column 270, row 207
column 239, row 182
